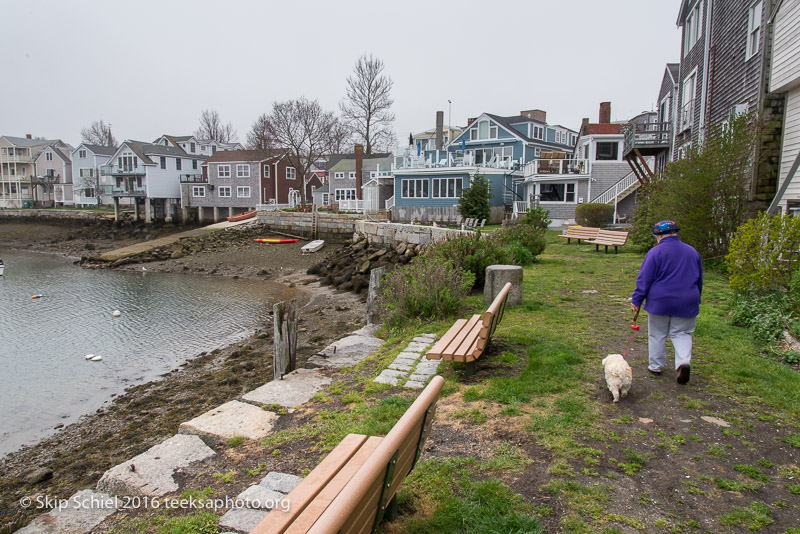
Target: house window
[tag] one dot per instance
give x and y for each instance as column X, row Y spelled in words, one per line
column 607, row 151
column 163, row 162
column 86, row 173
column 224, row 191
column 326, row 199
column 243, row 171
column 291, row 173
column 351, row 175
column 243, row 191
column 485, row 131
column 266, row 171
column 691, row 29
column 81, row 153
column 687, row 101
column 224, row 171
column 178, row 164
column 415, row 188
column 345, row 194
column 128, row 162
column 538, row 132
column 49, row 172
column 194, row 164
column 447, row 187
column 338, row 175
column 537, row 152
column 556, row 192
column 48, row 156
column 753, row 30
column 198, row 191
column 191, row 148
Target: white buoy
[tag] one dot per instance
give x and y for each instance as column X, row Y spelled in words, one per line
column 88, row 357
column 97, row 358
column 116, row 313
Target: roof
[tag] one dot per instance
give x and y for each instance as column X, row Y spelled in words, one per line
column 99, row 149
column 324, row 189
column 674, row 70
column 24, row 141
column 368, row 164
column 222, row 156
column 508, row 122
column 603, row 129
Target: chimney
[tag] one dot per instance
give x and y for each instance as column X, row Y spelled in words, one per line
column 470, row 121
column 535, row 114
column 439, row 128
column 584, row 126
column 28, row 136
column 359, row 150
column 605, row 112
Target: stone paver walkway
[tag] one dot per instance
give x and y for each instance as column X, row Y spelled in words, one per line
column 256, row 501
column 410, row 366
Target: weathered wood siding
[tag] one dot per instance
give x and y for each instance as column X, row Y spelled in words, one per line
column 791, row 146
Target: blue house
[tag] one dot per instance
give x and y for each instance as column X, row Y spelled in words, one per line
column 428, row 183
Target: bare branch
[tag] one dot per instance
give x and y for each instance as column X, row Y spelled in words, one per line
column 99, row 133
column 305, row 131
column 259, row 137
column 211, row 127
column 366, row 107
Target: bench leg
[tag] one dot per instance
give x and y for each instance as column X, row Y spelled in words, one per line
column 615, row 249
column 597, row 248
column 391, row 510
column 569, row 240
column 469, row 368
column 606, row 248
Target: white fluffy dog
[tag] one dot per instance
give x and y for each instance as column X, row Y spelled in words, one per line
column 618, row 375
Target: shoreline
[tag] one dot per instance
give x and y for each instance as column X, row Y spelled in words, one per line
column 76, row 455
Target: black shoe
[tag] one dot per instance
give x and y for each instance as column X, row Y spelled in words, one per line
column 683, row 374
column 654, row 372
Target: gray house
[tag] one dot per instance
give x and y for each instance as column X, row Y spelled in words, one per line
column 87, row 182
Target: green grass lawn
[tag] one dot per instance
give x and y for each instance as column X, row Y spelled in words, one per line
column 541, row 386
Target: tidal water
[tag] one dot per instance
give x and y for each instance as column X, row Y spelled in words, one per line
column 164, row 319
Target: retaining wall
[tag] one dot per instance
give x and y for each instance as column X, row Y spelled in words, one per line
column 82, row 215
column 385, row 233
column 334, row 227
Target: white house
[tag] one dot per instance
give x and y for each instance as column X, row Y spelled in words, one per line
column 150, row 175
column 785, row 78
column 88, row 184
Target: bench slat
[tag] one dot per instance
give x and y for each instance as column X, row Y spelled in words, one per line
column 456, row 341
column 436, row 352
column 404, row 434
column 325, row 497
column 277, row 520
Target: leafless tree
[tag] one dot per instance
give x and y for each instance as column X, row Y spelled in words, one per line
column 259, row 137
column 99, row 133
column 342, row 138
column 366, row 107
column 211, row 127
column 305, row 131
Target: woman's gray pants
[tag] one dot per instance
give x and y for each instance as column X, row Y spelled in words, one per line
column 679, row 330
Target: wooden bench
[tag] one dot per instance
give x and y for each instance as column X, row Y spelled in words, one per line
column 579, row 232
column 468, row 338
column 609, row 238
column 353, row 489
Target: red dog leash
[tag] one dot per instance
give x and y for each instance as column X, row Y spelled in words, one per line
column 634, row 328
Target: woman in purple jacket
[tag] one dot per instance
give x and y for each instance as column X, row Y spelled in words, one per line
column 671, row 282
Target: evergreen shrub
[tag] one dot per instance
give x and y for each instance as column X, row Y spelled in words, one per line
column 474, row 202
column 471, row 253
column 594, row 214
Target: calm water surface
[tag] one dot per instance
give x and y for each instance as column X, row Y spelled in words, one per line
column 165, row 319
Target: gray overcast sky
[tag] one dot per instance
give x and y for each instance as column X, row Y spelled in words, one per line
column 150, row 67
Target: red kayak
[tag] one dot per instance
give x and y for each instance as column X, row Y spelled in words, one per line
column 274, row 240
column 242, row 216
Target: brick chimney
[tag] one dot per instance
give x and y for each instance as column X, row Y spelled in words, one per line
column 470, row 121
column 584, row 125
column 359, row 151
column 605, row 113
column 28, row 136
column 439, row 129
column 535, row 114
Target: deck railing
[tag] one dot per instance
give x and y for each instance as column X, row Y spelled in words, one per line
column 569, row 167
column 351, row 205
column 612, row 193
column 389, row 202
column 647, row 134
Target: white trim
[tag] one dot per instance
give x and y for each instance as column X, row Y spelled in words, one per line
column 226, row 167
column 293, row 173
column 241, row 190
column 242, row 166
column 225, row 188
column 198, row 191
column 424, row 189
column 752, row 28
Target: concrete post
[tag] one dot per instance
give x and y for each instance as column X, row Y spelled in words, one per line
column 136, row 209
column 148, row 211
column 373, row 307
column 496, row 278
column 216, row 214
column 116, row 208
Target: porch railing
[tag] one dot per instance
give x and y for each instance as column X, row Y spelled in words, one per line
column 389, row 202
column 520, row 208
column 351, row 205
column 570, row 167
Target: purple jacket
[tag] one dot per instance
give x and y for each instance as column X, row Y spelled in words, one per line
column 670, row 280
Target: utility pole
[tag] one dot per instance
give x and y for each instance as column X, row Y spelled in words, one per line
column 449, row 118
